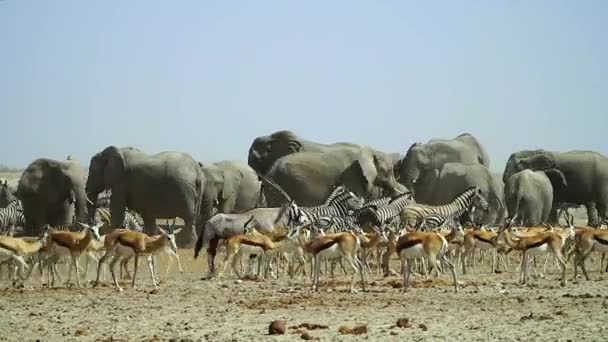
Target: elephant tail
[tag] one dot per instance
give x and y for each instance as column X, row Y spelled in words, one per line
column 199, row 243
column 199, row 200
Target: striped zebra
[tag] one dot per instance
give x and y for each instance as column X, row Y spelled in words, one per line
column 340, row 205
column 103, row 200
column 392, row 209
column 435, row 221
column 11, row 216
column 339, row 190
column 413, row 214
column 132, row 220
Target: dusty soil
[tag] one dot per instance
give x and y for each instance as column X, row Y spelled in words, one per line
column 490, row 307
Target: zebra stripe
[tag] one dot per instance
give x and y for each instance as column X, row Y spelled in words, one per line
column 339, row 206
column 337, row 191
column 414, row 213
column 392, row 209
column 435, row 221
column 132, row 220
column 12, row 216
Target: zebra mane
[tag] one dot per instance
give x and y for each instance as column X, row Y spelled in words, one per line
column 399, row 196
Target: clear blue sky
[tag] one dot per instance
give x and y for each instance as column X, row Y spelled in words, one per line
column 207, row 77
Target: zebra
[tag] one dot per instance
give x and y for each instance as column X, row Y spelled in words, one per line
column 380, row 214
column 412, row 214
column 339, row 190
column 436, row 220
column 11, row 216
column 132, row 220
column 341, row 203
column 103, row 200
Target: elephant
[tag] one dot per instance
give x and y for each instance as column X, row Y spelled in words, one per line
column 529, row 195
column 441, row 186
column 309, row 177
column 229, row 186
column 52, row 192
column 7, row 194
column 164, row 185
column 464, row 149
column 585, row 173
column 308, row 171
column 266, row 150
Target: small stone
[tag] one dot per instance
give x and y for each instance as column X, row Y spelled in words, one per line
column 306, row 336
column 277, row 327
column 404, row 323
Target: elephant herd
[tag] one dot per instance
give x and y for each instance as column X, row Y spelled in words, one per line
column 535, row 183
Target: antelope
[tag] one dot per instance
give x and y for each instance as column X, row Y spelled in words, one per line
column 16, row 250
column 250, row 242
column 370, row 241
column 63, row 243
column 255, row 243
column 455, row 239
column 333, row 246
column 430, row 245
column 479, row 239
column 123, row 243
column 587, row 241
column 537, row 245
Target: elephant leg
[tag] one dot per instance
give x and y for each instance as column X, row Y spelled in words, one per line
column 149, row 225
column 592, row 214
column 118, row 204
column 553, row 218
column 602, row 207
column 188, row 236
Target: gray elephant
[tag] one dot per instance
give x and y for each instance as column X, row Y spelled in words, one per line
column 52, row 192
column 585, row 173
column 266, row 150
column 529, row 195
column 230, row 186
column 164, row 185
column 308, row 171
column 438, row 187
column 419, row 158
column 7, row 194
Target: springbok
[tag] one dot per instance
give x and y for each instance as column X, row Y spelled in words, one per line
column 538, row 244
column 63, row 243
column 430, row 245
column 127, row 243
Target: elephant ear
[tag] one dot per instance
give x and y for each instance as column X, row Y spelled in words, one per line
column 231, row 184
column 539, row 161
column 360, row 175
column 557, row 178
column 114, row 165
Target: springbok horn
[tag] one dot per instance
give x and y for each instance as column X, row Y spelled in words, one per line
column 248, row 221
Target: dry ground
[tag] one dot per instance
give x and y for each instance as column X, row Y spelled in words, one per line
column 490, row 307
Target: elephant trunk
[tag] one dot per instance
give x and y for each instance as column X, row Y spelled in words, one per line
column 80, row 204
column 254, row 160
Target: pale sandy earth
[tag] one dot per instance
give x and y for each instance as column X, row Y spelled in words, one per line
column 490, row 307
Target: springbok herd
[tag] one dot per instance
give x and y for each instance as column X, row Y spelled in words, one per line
column 306, row 241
